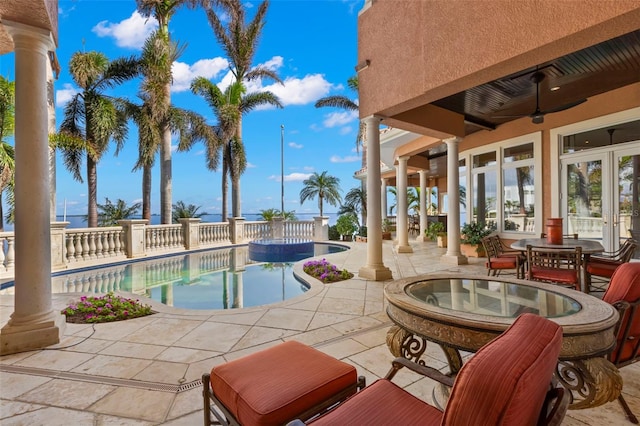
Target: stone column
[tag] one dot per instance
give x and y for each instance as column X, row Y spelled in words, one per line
column 321, row 228
column 33, row 324
column 402, row 225
column 453, row 254
column 383, row 198
column 374, row 269
column 191, row 232
column 277, row 228
column 134, row 236
column 236, row 229
column 58, row 246
column 424, row 193
column 51, row 110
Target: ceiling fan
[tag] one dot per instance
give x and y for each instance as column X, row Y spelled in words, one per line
column 537, row 116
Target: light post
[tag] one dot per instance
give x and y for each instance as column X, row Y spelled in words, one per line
column 282, row 168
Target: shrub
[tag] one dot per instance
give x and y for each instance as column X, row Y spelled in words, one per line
column 325, row 271
column 473, row 233
column 333, row 233
column 107, row 308
column 347, row 224
column 434, row 229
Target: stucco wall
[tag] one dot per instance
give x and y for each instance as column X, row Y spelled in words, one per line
column 421, row 51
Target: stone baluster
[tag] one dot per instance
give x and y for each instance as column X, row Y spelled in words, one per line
column 92, row 245
column 78, row 241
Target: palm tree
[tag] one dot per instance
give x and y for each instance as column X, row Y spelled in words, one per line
column 323, row 186
column 110, row 213
column 162, row 11
column 229, row 107
column 189, row 125
column 356, row 201
column 7, row 152
column 269, row 214
column 342, row 102
column 181, row 210
column 239, row 41
column 92, row 119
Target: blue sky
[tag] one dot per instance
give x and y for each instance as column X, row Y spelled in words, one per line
column 311, row 44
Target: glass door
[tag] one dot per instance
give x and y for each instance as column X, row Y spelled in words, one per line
column 585, row 198
column 601, row 198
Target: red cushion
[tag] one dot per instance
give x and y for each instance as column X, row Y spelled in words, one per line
column 506, row 381
column 382, row 403
column 278, row 384
column 565, row 276
column 625, row 285
column 602, row 268
column 501, row 263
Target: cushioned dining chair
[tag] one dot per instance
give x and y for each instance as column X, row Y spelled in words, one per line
column 624, row 294
column 600, row 267
column 557, row 266
column 507, row 382
column 499, row 258
column 275, row 385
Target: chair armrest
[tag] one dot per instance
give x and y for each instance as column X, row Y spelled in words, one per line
column 555, row 407
column 429, row 372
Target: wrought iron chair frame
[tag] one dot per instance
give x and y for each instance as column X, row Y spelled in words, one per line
column 496, row 249
column 620, row 256
column 541, row 260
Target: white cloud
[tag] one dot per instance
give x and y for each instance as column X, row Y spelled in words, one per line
column 130, row 32
column 347, row 159
column 64, row 95
column 184, row 74
column 295, row 145
column 251, row 165
column 336, row 119
column 300, row 91
column 291, row 177
column 345, row 130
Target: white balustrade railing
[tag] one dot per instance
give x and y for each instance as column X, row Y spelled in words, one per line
column 86, row 244
column 91, row 281
column 7, row 253
column 257, row 230
column 214, row 233
column 299, row 229
column 163, row 237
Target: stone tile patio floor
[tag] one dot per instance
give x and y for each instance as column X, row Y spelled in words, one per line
column 146, row 371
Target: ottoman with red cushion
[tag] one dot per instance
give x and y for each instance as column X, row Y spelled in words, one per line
column 273, row 386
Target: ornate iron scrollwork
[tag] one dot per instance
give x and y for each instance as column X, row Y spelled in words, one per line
column 404, row 344
column 592, row 382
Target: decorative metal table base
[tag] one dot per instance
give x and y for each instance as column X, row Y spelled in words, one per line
column 592, row 382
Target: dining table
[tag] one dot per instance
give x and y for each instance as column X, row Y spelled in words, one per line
column 588, row 247
column 463, row 312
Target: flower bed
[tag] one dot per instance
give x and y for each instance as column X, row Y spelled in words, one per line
column 325, row 271
column 107, row 308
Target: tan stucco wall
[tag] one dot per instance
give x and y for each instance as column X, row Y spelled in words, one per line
column 35, row 13
column 422, row 51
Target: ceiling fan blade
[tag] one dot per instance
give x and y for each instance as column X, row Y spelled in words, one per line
column 564, row 107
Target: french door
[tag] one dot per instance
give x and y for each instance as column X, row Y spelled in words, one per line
column 599, row 196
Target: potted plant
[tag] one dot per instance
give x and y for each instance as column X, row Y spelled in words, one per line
column 471, row 235
column 435, row 232
column 386, row 229
column 362, row 234
column 346, row 225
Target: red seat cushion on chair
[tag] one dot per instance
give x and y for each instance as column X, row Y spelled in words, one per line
column 382, row 403
column 625, row 285
column 601, row 268
column 506, row 381
column 565, row 276
column 278, row 384
column 502, row 263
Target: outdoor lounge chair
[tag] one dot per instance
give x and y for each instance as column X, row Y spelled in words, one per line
column 507, row 382
column 500, row 257
column 273, row 386
column 624, row 294
column 602, row 266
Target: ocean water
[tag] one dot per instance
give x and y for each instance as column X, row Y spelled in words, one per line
column 79, row 221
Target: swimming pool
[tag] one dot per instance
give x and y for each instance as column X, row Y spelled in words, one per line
column 221, row 278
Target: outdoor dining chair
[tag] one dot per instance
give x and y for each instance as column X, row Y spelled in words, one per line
column 557, row 266
column 600, row 267
column 275, row 385
column 624, row 294
column 513, row 373
column 500, row 257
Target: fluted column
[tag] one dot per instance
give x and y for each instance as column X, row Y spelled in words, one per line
column 374, row 268
column 402, row 225
column 423, row 205
column 453, row 254
column 33, row 324
column 383, row 199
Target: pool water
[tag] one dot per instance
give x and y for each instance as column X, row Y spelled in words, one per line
column 223, row 278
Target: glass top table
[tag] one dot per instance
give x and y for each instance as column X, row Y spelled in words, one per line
column 463, row 312
column 491, row 297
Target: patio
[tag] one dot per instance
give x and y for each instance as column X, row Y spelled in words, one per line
column 146, row 371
